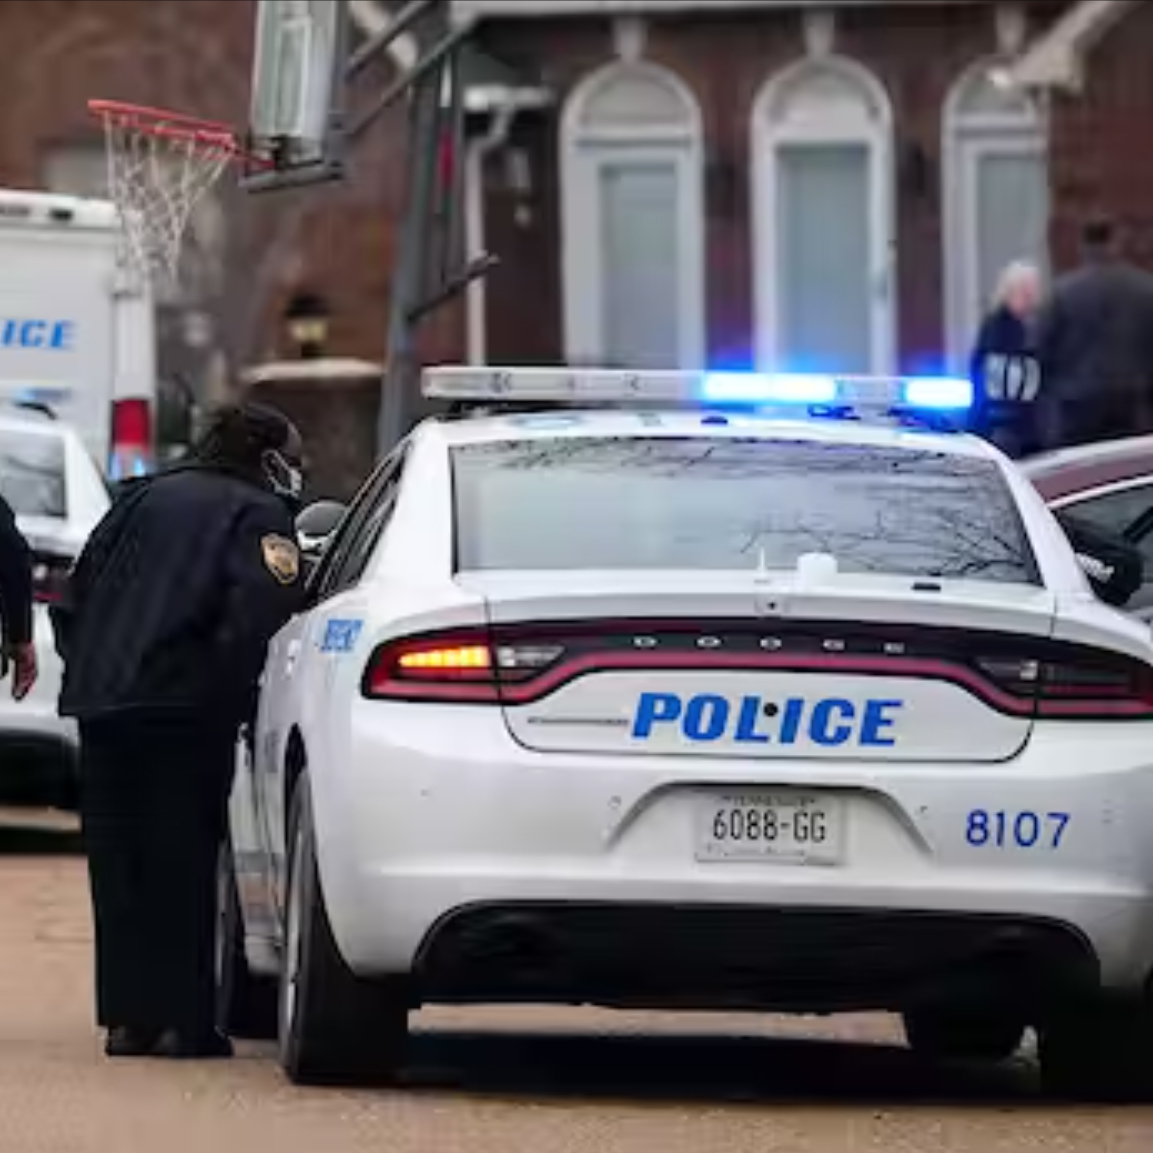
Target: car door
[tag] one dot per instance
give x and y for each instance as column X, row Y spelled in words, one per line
column 342, row 617
column 256, row 806
column 292, row 690
column 1124, row 510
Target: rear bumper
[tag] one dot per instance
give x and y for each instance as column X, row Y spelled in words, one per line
column 734, row 958
column 430, row 820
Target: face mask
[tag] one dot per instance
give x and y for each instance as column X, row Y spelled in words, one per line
column 285, row 478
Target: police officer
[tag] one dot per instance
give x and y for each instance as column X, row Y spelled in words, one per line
column 1095, row 347
column 16, row 604
column 171, row 608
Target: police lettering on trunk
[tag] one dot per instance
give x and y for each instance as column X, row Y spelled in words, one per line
column 708, row 718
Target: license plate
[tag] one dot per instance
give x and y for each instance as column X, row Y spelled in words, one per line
column 786, row 828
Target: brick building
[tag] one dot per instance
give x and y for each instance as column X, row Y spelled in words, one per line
column 246, row 255
column 810, row 184
column 663, row 180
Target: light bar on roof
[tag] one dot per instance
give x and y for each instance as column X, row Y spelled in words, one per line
column 757, row 391
column 753, row 388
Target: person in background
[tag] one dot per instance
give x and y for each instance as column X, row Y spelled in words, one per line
column 1004, row 368
column 169, row 614
column 19, row 652
column 1095, row 347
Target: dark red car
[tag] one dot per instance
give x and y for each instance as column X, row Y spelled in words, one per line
column 1109, row 487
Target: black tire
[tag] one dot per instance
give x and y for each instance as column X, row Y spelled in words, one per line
column 335, row 1028
column 1101, row 1052
column 944, row 1034
column 246, row 1002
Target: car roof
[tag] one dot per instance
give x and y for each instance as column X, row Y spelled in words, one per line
column 578, row 423
column 1073, row 470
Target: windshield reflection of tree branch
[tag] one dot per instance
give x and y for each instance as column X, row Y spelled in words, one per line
column 917, row 513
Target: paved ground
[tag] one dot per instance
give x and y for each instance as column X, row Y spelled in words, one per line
column 485, row 1082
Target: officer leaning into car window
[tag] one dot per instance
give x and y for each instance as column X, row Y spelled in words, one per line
column 170, row 611
column 16, row 605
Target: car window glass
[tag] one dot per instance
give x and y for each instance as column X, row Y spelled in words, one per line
column 1120, row 514
column 32, row 474
column 1113, row 512
column 361, row 539
column 338, row 546
column 734, row 504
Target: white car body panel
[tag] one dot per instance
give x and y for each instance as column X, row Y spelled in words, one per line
column 426, row 808
column 34, row 721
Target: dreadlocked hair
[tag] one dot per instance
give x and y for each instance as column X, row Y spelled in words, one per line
column 239, row 435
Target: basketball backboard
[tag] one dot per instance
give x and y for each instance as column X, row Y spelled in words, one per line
column 297, row 85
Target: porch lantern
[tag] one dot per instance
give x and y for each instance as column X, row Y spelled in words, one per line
column 307, row 319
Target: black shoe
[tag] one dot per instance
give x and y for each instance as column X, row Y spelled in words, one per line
column 193, row 1046
column 125, row 1042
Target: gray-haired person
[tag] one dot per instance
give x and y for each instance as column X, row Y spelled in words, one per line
column 1004, row 368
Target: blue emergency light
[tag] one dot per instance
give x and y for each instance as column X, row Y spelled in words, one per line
column 929, row 399
column 942, row 393
column 754, row 388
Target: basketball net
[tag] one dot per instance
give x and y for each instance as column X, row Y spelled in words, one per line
column 159, row 168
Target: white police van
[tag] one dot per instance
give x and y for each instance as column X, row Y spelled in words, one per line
column 762, row 693
column 71, row 338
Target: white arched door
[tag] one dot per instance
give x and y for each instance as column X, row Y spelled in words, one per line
column 823, row 220
column 996, row 190
column 632, row 205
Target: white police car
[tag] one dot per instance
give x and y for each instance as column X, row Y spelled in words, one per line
column 690, row 705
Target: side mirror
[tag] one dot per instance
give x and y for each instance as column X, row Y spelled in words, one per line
column 1113, row 564
column 315, row 525
column 1115, row 577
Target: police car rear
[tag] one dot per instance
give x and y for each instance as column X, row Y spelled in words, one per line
column 714, row 708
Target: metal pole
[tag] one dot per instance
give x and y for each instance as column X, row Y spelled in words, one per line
column 454, row 254
column 402, row 373
column 392, row 31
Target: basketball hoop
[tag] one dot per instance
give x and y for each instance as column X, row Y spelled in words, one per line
column 159, row 166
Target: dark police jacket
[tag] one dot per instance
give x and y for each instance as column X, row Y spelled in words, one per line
column 176, row 596
column 1007, row 383
column 1095, row 345
column 15, row 580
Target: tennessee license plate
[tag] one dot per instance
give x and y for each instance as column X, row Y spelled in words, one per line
column 783, row 827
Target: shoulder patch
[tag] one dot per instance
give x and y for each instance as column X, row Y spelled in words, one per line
column 281, row 558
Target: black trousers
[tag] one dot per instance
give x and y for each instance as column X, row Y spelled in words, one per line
column 154, row 805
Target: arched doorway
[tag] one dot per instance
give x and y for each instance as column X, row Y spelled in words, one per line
column 823, row 219
column 633, row 220
column 996, row 197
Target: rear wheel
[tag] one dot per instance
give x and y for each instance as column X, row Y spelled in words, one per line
column 245, row 1001
column 335, row 1028
column 961, row 1035
column 1101, row 1051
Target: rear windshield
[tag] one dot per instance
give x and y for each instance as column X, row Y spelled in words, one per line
column 32, row 474
column 648, row 503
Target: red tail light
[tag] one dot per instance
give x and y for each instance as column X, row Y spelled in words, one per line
column 1078, row 684
column 131, row 437
column 458, row 666
column 50, row 578
column 1015, row 675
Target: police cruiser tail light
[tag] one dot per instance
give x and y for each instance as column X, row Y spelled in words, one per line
column 462, row 666
column 523, row 663
column 49, row 578
column 1077, row 684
